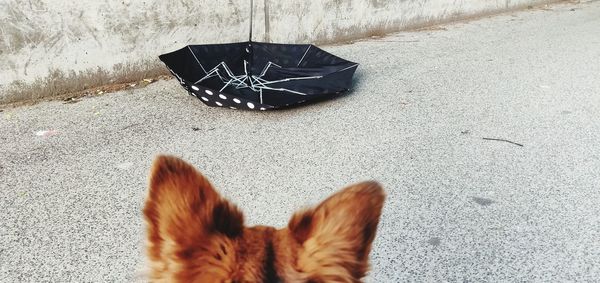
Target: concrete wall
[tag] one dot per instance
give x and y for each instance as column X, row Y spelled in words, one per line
column 49, row 47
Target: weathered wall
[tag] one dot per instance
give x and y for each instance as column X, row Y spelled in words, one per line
column 51, row 46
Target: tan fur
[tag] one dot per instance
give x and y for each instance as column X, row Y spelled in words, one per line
column 194, row 235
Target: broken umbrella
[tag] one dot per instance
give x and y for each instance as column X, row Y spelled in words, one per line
column 259, row 76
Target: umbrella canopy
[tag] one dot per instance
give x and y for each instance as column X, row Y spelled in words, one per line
column 259, row 76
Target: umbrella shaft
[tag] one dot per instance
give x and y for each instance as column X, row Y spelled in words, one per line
column 251, row 14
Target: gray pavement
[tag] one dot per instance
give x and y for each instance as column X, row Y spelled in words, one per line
column 459, row 208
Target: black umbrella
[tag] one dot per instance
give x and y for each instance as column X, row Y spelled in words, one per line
column 257, row 75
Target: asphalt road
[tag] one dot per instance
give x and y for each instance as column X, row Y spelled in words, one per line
column 459, row 207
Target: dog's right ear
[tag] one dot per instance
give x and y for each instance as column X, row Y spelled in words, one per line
column 334, row 239
column 190, row 227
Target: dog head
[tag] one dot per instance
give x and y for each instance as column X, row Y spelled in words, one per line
column 195, row 235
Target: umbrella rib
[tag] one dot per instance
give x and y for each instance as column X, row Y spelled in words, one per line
column 222, row 79
column 230, row 73
column 189, row 48
column 347, row 68
column 303, row 56
column 210, row 75
column 246, row 75
column 178, row 77
column 284, row 89
column 225, row 86
column 289, row 79
column 263, row 86
column 266, row 68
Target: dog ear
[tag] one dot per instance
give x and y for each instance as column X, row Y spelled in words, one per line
column 335, row 237
column 190, row 227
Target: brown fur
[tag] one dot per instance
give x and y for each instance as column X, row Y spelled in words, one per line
column 194, row 235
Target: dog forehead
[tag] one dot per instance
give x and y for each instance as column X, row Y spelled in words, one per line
column 255, row 242
column 256, row 258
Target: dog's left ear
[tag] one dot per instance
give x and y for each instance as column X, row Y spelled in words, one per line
column 190, row 226
column 335, row 237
